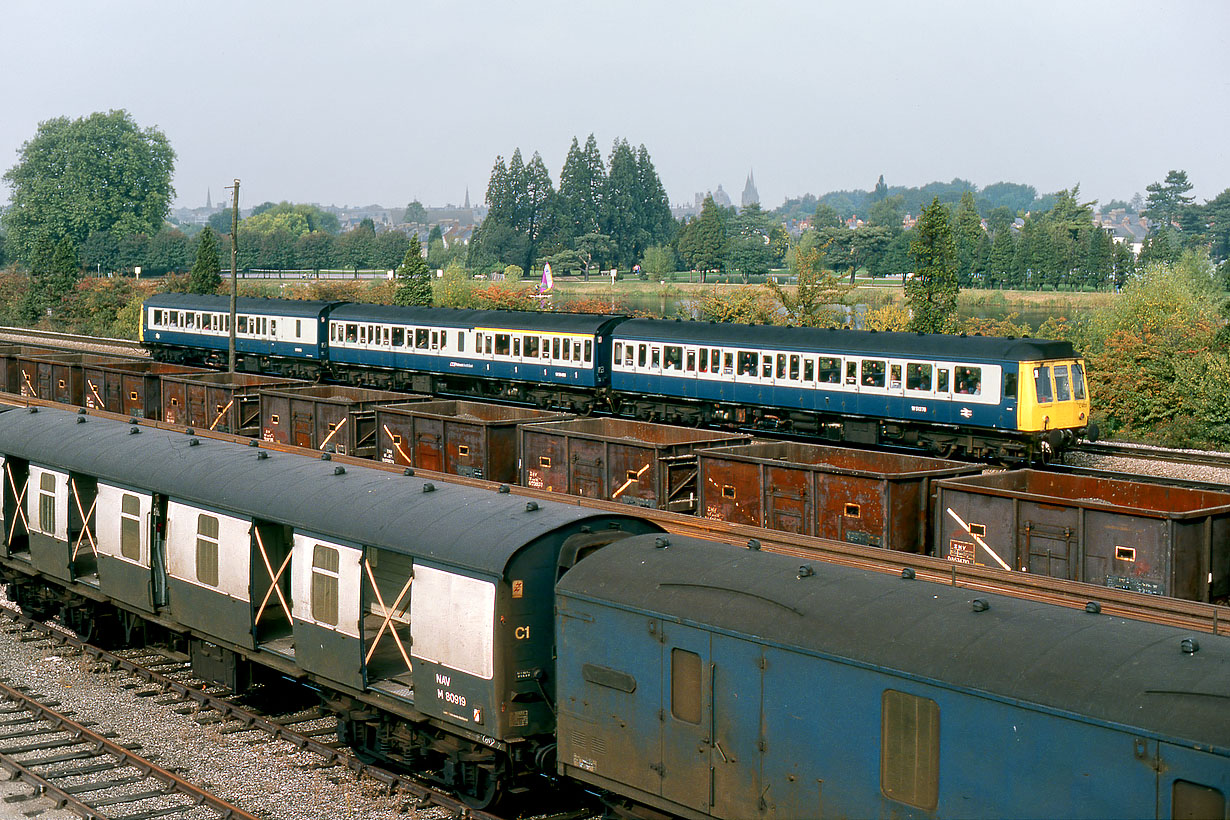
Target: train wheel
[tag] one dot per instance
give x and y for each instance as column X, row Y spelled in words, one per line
column 482, row 788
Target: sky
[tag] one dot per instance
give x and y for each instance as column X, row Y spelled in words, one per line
column 384, row 102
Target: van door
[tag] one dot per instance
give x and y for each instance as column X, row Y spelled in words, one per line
column 687, row 717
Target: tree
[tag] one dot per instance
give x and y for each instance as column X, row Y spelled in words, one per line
column 594, row 249
column 204, row 276
column 826, row 216
column 932, row 292
column 413, row 277
column 887, row 212
column 703, row 242
column 817, row 298
column 1168, row 198
column 881, row 190
column 314, row 251
column 999, row 265
column 97, row 173
column 65, row 270
column 968, row 231
column 659, row 260
column 1217, row 217
column 390, row 248
column 581, row 184
column 435, row 235
column 415, row 212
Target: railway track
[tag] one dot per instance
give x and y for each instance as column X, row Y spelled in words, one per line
column 1198, row 458
column 167, row 678
column 72, row 341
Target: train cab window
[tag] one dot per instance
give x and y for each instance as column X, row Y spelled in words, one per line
column 894, row 376
column 1063, row 388
column 207, row 550
column 781, row 365
column 873, row 373
column 685, row 686
column 691, row 362
column 641, row 353
column 130, row 527
column 1193, row 800
column 1009, row 385
column 47, row 504
column 794, row 368
column 747, row 363
column 399, row 337
column 589, row 350
column 672, row 357
column 655, row 358
column 917, row 376
column 1042, row 383
column 325, row 573
column 809, row 369
column 910, row 749
column 766, row 367
column 1078, row 382
column 502, row 345
column 704, row 360
column 851, row 372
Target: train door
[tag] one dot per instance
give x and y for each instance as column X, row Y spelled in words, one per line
column 738, row 704
column 428, row 444
column 687, row 717
column 16, row 485
column 589, row 469
column 789, row 502
column 159, row 592
column 82, row 529
column 271, row 581
column 300, row 426
column 1048, row 548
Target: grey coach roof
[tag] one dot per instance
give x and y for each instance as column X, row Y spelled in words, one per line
column 931, row 345
column 263, row 307
column 1110, row 669
column 476, row 529
column 545, row 321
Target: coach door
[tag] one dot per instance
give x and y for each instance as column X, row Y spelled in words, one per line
column 687, row 717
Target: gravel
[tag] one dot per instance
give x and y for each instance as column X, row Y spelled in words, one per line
column 270, row 779
column 1152, row 467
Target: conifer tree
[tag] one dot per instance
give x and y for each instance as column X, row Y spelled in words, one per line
column 204, row 276
column 932, row 292
column 413, row 277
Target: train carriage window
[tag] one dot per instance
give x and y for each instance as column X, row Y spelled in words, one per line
column 362, row 334
column 207, row 549
column 567, row 346
column 873, row 373
column 1063, row 390
column 1042, row 383
column 851, row 372
column 1193, row 800
column 728, row 363
column 352, row 333
column 443, row 338
column 487, row 343
column 461, row 342
column 47, row 504
column 894, row 376
column 941, row 380
column 384, row 336
column 172, row 318
column 809, row 369
column 685, row 686
column 655, row 358
column 828, row 370
column 619, row 353
column 516, row 346
column 273, row 327
column 917, row 376
column 546, row 348
column 555, row 348
column 781, row 365
column 531, row 347
column 910, row 749
column 672, row 357
column 691, row 362
column 157, row 320
column 642, row 351
column 589, row 350
column 189, row 320
column 325, row 566
column 1078, row 381
column 766, row 367
column 1009, row 385
column 421, row 338
column 502, row 344
column 130, row 527
column 298, row 328
column 747, row 363
column 399, row 337
column 435, row 340
column 968, row 380
column 794, row 368
column 704, row 360
column 576, row 350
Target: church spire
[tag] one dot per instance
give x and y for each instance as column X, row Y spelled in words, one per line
column 750, row 195
column 467, row 205
column 209, row 204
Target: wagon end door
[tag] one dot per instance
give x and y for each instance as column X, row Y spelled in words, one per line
column 687, row 717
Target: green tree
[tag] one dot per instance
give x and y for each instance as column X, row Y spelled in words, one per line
column 97, row 173
column 817, row 298
column 1217, row 217
column 594, row 249
column 205, row 276
column 1098, row 260
column 1168, row 198
column 826, row 216
column 435, row 235
column 967, row 233
column 703, row 242
column 65, row 270
column 415, row 213
column 659, row 261
column 413, row 277
column 314, row 251
column 887, row 212
column 932, row 292
column 999, row 265
column 581, row 184
column 391, row 247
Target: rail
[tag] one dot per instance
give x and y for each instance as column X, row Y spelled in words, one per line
column 74, row 341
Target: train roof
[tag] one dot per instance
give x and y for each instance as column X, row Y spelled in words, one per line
column 929, row 345
column 263, row 307
column 1106, row 668
column 542, row 321
column 476, row 529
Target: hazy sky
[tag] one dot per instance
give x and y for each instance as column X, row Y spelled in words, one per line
column 384, row 102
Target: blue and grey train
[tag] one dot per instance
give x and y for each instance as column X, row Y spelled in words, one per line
column 488, row 641
column 984, row 396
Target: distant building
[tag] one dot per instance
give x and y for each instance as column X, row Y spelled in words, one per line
column 721, row 198
column 750, row 195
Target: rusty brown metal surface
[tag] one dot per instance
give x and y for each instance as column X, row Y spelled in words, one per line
column 336, row 417
column 221, row 402
column 632, row 462
column 58, row 377
column 860, row 496
column 130, row 387
column 1139, row 536
column 456, row 437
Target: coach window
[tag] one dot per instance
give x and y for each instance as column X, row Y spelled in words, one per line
column 691, row 364
column 851, row 372
column 619, row 352
column 968, row 380
column 766, row 367
column 894, row 376
column 421, row 338
column 873, row 373
column 672, row 357
column 207, row 550
column 642, row 351
column 189, row 320
column 589, row 350
column 747, row 363
column 172, row 318
column 728, row 363
column 461, row 343
column 917, row 376
column 941, row 380
column 685, row 686
column 567, row 346
column 910, row 749
column 781, row 365
column 362, row 334
column 794, row 367
column 352, row 333
column 157, row 320
column 809, row 370
column 1063, row 391
column 531, row 347
column 399, row 337
column 828, row 370
column 443, row 339
column 655, row 358
column 47, row 504
column 502, row 346
column 130, row 527
column 704, row 360
column 487, row 343
column 324, row 584
column 1009, row 385
column 555, row 348
column 576, row 350
column 516, row 346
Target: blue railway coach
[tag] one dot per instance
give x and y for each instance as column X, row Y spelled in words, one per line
column 711, row 681
column 860, row 386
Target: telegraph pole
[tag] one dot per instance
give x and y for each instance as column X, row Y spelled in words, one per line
column 230, row 351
